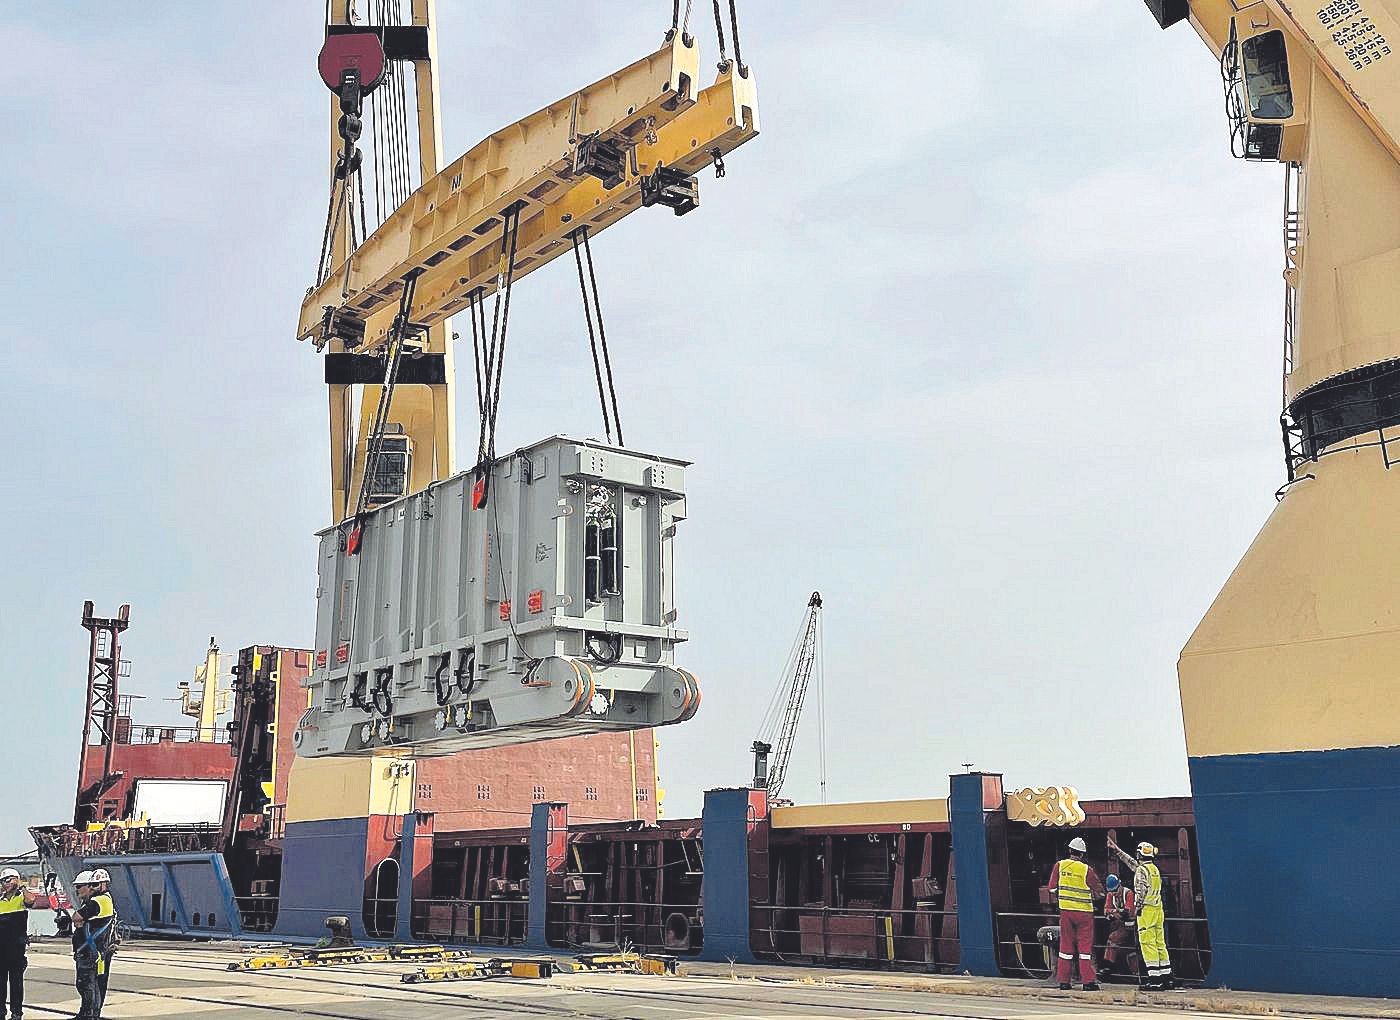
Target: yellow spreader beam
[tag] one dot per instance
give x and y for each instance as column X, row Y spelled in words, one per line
column 450, row 230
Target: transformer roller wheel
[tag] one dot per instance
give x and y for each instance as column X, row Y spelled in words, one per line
column 566, row 682
column 681, row 696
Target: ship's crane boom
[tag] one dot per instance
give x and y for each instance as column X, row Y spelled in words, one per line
column 778, row 732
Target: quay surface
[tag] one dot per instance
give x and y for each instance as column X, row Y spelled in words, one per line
column 153, row 978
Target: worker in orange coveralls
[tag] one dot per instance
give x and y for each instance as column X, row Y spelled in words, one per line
column 1077, row 886
column 1122, row 922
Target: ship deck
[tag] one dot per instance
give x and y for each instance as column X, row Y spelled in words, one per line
column 161, row 978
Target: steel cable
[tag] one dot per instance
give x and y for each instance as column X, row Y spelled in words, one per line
column 719, row 32
column 602, row 336
column 576, row 236
column 734, row 27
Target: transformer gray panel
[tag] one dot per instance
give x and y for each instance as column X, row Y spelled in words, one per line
column 546, row 611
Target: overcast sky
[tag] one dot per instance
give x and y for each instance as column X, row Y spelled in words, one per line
column 980, row 338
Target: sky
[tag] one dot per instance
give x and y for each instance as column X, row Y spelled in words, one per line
column 980, row 337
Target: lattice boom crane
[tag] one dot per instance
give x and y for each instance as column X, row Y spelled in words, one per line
column 778, row 732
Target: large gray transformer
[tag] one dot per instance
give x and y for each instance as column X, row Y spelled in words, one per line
column 540, row 604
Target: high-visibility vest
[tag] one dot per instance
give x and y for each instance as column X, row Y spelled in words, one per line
column 1074, row 887
column 104, row 906
column 1154, row 885
column 14, row 920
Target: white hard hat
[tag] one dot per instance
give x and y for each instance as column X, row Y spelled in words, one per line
column 8, row 873
column 83, row 878
column 1078, row 845
column 100, row 875
column 1146, row 850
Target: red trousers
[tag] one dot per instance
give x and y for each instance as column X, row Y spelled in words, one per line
column 1077, row 936
column 1122, row 941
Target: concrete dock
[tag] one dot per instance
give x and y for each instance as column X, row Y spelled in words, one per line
column 159, row 979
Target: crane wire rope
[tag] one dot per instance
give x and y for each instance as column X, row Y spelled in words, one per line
column 821, row 711
column 719, row 33
column 734, row 28
column 734, row 31
column 592, row 339
column 768, row 724
column 680, row 24
column 583, row 252
column 495, row 351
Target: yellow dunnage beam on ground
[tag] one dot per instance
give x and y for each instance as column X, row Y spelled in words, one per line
column 456, row 212
column 723, row 117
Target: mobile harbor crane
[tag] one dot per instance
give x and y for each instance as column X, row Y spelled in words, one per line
column 532, row 596
column 1289, row 689
column 778, row 730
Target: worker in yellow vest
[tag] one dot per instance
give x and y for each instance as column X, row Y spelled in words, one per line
column 93, row 922
column 1076, row 886
column 15, row 901
column 1151, row 918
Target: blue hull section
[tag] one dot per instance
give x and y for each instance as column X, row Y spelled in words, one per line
column 165, row 894
column 323, row 875
column 1298, row 866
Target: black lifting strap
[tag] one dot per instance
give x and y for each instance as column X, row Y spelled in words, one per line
column 583, row 251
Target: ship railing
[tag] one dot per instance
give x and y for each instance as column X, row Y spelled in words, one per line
column 923, row 939
column 142, row 839
column 485, row 922
column 1021, row 952
column 258, row 914
column 644, row 926
column 1311, row 433
column 177, row 734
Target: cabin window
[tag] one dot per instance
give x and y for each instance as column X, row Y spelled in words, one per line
column 1266, row 76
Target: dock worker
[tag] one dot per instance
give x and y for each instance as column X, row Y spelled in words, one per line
column 1076, row 886
column 15, row 901
column 92, row 928
column 103, row 881
column 1151, row 919
column 1122, row 922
